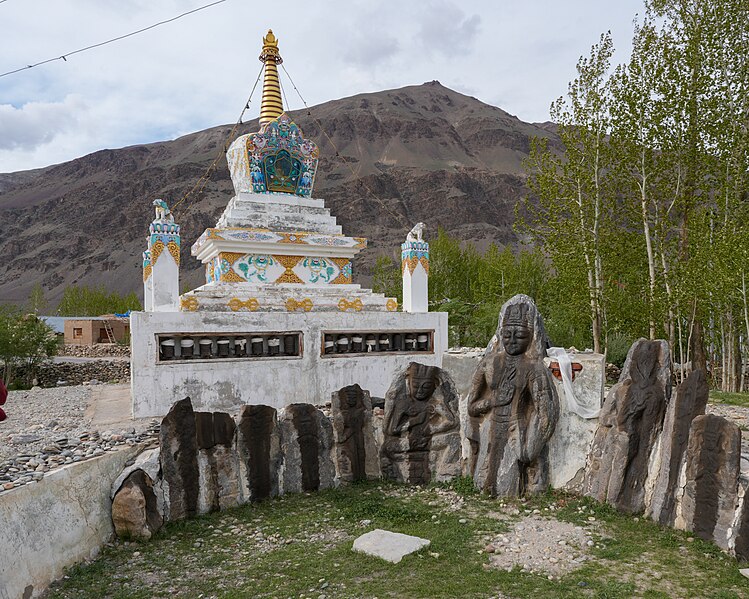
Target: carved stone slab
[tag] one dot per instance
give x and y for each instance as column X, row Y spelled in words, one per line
column 306, row 444
column 179, row 460
column 688, row 402
column 390, row 546
column 630, row 421
column 512, row 406
column 259, row 448
column 710, row 479
column 421, row 427
column 356, row 453
column 218, row 465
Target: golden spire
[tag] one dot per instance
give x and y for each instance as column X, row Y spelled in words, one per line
column 271, row 106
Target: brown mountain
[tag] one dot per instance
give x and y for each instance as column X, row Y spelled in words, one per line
column 388, row 160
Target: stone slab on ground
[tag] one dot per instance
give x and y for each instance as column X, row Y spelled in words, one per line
column 390, row 546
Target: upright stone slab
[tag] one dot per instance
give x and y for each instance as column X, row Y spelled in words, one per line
column 629, row 424
column 179, row 460
column 306, row 445
column 356, row 455
column 710, row 480
column 513, row 407
column 259, row 447
column 739, row 544
column 218, row 464
column 421, row 427
column 688, row 402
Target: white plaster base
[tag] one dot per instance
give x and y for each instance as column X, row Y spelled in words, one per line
column 225, row 384
column 60, row 521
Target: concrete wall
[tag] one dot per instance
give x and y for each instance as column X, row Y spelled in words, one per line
column 226, row 384
column 60, row 521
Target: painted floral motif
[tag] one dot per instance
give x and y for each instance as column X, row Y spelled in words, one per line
column 255, row 267
column 320, row 269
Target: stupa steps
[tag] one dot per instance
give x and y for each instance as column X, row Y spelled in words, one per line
column 276, row 298
column 281, row 222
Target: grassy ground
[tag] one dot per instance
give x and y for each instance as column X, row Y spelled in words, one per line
column 732, row 399
column 300, row 546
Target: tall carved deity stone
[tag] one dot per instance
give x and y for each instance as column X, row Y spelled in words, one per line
column 421, row 427
column 355, row 445
column 513, row 406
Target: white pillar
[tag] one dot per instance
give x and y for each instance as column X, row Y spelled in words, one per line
column 147, row 282
column 415, row 268
column 163, row 247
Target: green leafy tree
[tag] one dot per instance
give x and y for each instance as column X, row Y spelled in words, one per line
column 95, row 301
column 25, row 341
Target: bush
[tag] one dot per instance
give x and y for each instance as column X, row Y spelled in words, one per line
column 618, row 348
column 24, row 341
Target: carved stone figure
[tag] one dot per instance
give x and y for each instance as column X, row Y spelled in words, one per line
column 218, row 466
column 356, row 451
column 421, row 427
column 307, row 443
column 630, row 421
column 710, row 480
column 512, row 406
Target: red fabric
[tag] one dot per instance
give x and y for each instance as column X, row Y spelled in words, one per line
column 2, row 415
column 3, row 393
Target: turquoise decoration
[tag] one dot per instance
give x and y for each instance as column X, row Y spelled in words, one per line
column 319, row 269
column 415, row 250
column 255, row 267
column 281, row 159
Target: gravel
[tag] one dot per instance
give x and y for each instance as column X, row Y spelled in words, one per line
column 48, row 428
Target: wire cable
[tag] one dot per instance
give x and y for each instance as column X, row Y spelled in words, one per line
column 109, row 41
column 398, row 217
column 204, row 178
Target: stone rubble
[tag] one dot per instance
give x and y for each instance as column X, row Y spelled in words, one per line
column 47, row 429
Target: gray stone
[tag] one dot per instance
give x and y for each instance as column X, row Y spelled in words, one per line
column 744, row 572
column 710, row 479
column 259, row 448
column 307, row 447
column 390, row 546
column 148, row 461
column 356, row 453
column 135, row 510
column 421, row 427
column 629, row 424
column 688, row 402
column 179, row 460
column 218, row 462
column 513, row 407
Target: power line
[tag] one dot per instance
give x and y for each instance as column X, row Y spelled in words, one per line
column 109, row 41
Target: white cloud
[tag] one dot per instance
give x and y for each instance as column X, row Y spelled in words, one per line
column 38, row 123
column 447, row 30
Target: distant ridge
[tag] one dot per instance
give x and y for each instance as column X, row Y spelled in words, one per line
column 426, row 152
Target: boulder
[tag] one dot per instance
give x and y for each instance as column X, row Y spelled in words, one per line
column 135, row 511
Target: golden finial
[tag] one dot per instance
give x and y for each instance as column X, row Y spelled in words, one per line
column 272, row 105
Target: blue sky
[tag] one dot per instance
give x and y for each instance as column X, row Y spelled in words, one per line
column 197, row 72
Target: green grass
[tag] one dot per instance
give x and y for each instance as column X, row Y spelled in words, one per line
column 732, row 399
column 632, row 557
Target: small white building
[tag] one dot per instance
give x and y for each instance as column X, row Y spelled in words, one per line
column 279, row 319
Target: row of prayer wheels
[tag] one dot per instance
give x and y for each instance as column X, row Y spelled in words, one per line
column 205, row 348
column 345, row 343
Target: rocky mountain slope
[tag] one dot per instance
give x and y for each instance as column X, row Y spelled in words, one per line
column 388, row 160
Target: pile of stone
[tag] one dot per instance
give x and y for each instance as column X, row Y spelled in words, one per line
column 98, row 350
column 77, row 373
column 29, row 467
